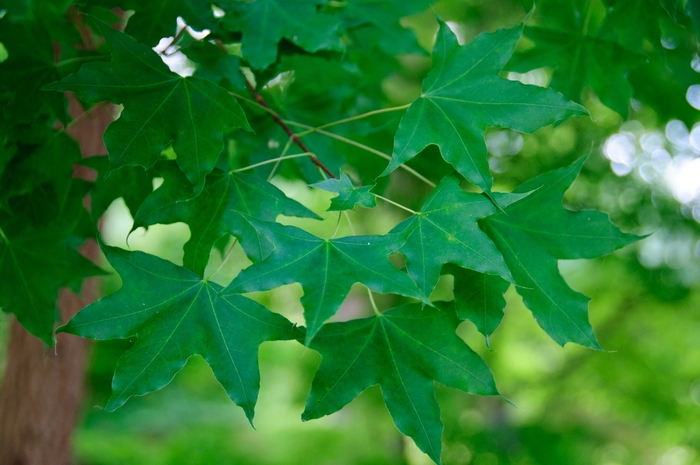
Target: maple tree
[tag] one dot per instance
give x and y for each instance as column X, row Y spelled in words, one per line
column 308, row 73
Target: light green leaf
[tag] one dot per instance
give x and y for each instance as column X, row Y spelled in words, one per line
column 534, row 233
column 325, row 268
column 446, row 231
column 350, row 196
column 464, row 94
column 173, row 315
column 405, row 350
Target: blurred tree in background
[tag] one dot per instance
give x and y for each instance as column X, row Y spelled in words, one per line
column 633, row 65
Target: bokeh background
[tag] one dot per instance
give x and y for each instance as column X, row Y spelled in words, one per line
column 636, row 403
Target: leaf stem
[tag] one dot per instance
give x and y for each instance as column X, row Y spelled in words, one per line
column 374, row 304
column 272, row 160
column 283, row 155
column 4, row 237
column 259, row 98
column 413, row 212
column 174, row 39
column 75, row 120
column 223, row 261
column 355, row 118
column 337, row 225
column 363, row 147
column 347, row 217
column 82, row 60
column 311, row 129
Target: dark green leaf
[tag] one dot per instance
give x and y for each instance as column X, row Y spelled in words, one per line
column 34, row 265
column 580, row 61
column 384, row 28
column 154, row 20
column 405, row 350
column 212, row 64
column 220, row 209
column 174, row 315
column 160, row 108
column 265, row 22
column 479, row 299
column 132, row 183
column 29, row 66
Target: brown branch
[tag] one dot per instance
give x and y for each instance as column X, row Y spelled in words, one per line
column 261, row 101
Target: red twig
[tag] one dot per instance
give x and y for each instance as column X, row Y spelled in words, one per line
column 261, row 101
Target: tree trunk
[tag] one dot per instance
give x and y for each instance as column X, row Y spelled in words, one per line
column 42, row 390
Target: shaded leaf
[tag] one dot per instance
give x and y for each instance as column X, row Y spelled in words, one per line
column 160, row 108
column 264, row 23
column 580, row 61
column 34, row 265
column 222, row 208
column 29, row 66
column 132, row 183
column 221, row 68
column 479, row 299
column 385, row 31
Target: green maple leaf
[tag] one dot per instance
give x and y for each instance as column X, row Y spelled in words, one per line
column 264, row 23
column 223, row 69
column 349, row 195
column 446, row 231
column 109, row 188
column 632, row 23
column 463, row 95
column 174, row 314
column 383, row 15
column 34, row 265
column 580, row 61
column 29, row 66
column 325, row 268
column 479, row 299
column 222, row 208
column 405, row 350
column 160, row 108
column 534, row 233
column 154, row 20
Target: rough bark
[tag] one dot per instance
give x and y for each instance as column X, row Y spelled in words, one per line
column 42, row 389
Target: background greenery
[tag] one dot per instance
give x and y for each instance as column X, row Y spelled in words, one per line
column 639, row 403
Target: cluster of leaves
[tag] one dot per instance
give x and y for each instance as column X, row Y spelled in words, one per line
column 316, row 62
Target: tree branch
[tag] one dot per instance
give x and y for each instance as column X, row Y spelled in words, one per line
column 261, row 101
